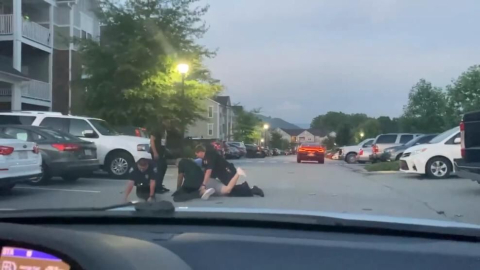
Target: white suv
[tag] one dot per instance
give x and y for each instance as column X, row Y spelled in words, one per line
column 116, row 153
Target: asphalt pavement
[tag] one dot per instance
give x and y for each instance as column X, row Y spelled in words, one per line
column 331, row 187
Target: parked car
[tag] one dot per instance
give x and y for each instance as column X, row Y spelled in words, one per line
column 19, row 162
column 434, row 159
column 311, row 152
column 396, row 152
column 275, row 151
column 232, row 153
column 254, row 151
column 363, row 155
column 133, row 131
column 350, row 152
column 468, row 166
column 240, row 146
column 116, row 153
column 62, row 154
column 384, row 141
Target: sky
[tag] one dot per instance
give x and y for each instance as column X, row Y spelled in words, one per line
column 298, row 59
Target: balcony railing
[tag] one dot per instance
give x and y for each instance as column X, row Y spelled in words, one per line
column 36, row 90
column 6, row 24
column 36, row 32
column 5, row 91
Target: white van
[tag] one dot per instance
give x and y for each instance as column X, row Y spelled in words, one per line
column 116, row 153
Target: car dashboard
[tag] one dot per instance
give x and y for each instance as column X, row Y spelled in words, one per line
column 86, row 244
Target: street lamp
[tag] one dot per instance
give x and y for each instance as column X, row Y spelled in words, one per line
column 183, row 69
column 265, row 127
column 362, row 134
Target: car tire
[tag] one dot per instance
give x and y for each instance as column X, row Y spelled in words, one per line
column 44, row 179
column 70, row 178
column 438, row 168
column 321, row 161
column 361, row 162
column 351, row 158
column 299, row 161
column 118, row 164
column 6, row 189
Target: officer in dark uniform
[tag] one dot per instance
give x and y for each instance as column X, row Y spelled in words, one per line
column 189, row 181
column 216, row 166
column 158, row 152
column 142, row 176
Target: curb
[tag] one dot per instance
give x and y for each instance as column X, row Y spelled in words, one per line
column 381, row 172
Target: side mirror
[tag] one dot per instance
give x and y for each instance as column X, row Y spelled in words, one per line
column 89, row 134
column 457, row 140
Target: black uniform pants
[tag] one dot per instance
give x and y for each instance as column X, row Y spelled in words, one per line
column 161, row 164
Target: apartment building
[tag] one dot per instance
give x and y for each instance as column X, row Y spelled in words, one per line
column 302, row 135
column 217, row 122
column 36, row 39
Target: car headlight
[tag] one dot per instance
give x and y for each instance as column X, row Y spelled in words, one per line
column 418, row 151
column 143, row 147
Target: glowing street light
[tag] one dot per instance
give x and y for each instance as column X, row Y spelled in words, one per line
column 266, row 126
column 183, row 68
column 262, row 140
column 362, row 134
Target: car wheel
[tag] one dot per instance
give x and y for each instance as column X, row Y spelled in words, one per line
column 438, row 168
column 299, row 161
column 321, row 161
column 6, row 189
column 44, row 178
column 351, row 158
column 361, row 162
column 118, row 164
column 70, row 178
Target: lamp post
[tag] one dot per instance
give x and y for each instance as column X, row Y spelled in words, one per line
column 361, row 135
column 182, row 69
column 265, row 128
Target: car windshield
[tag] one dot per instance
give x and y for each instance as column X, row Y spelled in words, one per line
column 447, row 134
column 317, row 103
column 103, row 127
column 5, row 136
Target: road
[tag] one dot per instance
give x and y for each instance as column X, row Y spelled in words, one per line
column 331, row 187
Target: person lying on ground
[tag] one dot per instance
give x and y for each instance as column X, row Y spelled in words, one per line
column 189, row 181
column 142, row 176
column 217, row 166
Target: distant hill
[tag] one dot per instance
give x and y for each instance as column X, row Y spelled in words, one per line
column 276, row 122
column 305, row 126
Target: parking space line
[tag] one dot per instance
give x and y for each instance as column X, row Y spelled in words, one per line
column 59, row 189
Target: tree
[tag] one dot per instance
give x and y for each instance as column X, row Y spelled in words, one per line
column 331, row 121
column 329, row 142
column 276, row 140
column 370, row 129
column 247, row 126
column 132, row 73
column 425, row 111
column 344, row 135
column 388, row 125
column 463, row 95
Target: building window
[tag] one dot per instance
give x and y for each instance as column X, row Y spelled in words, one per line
column 210, row 129
column 210, row 112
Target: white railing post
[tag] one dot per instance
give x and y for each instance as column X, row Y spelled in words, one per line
column 37, row 90
column 6, row 24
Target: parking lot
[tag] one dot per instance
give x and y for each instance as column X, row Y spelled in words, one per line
column 332, row 187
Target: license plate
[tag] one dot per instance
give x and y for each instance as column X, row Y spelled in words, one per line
column 311, row 154
column 88, row 152
column 22, row 155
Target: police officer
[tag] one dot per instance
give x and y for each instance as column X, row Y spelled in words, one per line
column 189, row 181
column 158, row 152
column 142, row 176
column 217, row 167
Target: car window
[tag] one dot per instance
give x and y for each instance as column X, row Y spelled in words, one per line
column 103, row 127
column 368, row 143
column 386, row 139
column 405, row 138
column 37, row 137
column 425, row 139
column 19, row 134
column 445, row 135
column 60, row 135
column 5, row 136
column 451, row 140
column 78, row 126
column 55, row 123
column 16, row 120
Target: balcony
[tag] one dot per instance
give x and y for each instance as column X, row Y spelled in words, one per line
column 36, row 90
column 30, row 30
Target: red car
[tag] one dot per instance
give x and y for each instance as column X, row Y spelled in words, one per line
column 311, row 152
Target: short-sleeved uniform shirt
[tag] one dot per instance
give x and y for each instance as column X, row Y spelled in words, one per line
column 142, row 179
column 192, row 173
column 221, row 168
